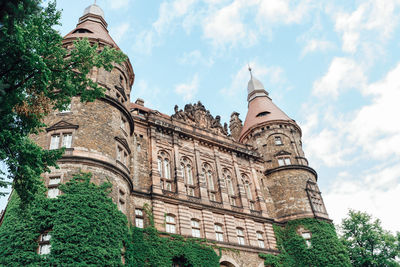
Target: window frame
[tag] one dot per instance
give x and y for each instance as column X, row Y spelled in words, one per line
column 170, row 224
column 240, row 236
column 219, row 232
column 196, row 230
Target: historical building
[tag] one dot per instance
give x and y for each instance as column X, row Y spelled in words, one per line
column 224, row 183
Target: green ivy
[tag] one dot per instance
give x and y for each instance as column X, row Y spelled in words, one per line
column 325, row 249
column 87, row 229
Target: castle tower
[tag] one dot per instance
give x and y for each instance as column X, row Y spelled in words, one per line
column 97, row 135
column 290, row 181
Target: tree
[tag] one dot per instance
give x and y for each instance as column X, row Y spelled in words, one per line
column 38, row 75
column 368, row 244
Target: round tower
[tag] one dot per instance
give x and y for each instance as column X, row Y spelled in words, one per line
column 290, row 181
column 97, row 135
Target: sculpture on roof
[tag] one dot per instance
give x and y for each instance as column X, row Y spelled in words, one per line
column 197, row 115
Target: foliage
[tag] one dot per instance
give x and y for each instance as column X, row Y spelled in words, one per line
column 368, row 244
column 87, row 229
column 325, row 250
column 148, row 248
column 38, row 75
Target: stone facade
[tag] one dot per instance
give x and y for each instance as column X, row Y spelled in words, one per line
column 199, row 178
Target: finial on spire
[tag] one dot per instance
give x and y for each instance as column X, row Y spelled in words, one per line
column 95, row 1
column 250, row 69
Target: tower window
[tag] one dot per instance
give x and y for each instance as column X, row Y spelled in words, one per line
column 44, row 244
column 53, row 190
column 262, row 114
column 284, row 161
column 66, row 139
column 307, row 238
column 278, row 140
column 139, row 220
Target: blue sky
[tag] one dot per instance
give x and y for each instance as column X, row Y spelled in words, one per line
column 333, row 66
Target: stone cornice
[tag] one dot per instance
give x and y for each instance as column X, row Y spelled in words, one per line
column 292, row 167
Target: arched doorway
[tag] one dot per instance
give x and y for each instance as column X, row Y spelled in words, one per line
column 226, row 264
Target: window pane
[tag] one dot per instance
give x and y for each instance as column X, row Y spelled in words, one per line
column 281, row 162
column 55, row 141
column 166, row 169
column 248, row 191
column 54, row 180
column 261, row 244
column 159, row 166
column 170, row 228
column 210, row 180
column 219, row 237
column 67, row 140
column 53, row 192
column 44, row 249
column 189, row 175
column 139, row 222
column 170, row 219
column 195, row 224
column 138, row 212
column 240, row 240
column 287, row 161
column 278, row 140
column 213, row 197
column 195, row 232
column 45, row 237
column 259, row 235
column 183, row 171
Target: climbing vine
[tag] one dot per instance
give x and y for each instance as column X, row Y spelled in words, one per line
column 87, row 229
column 324, row 249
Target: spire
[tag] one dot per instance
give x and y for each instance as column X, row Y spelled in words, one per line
column 261, row 109
column 92, row 24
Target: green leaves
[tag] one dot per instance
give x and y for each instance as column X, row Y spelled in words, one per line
column 325, row 250
column 38, row 75
column 368, row 244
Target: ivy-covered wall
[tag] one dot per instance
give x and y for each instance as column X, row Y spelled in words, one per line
column 325, row 249
column 87, row 229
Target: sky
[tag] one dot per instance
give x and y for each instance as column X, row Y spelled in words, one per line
column 333, row 66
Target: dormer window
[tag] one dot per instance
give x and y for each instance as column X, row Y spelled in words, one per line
column 82, row 31
column 262, row 114
column 66, row 139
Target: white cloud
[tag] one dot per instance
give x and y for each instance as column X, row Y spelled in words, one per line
column 169, row 11
column 343, row 73
column 119, row 31
column 225, row 25
column 282, row 11
column 374, row 127
column 316, row 45
column 374, row 17
column 145, row 41
column 195, row 57
column 377, row 193
column 188, row 90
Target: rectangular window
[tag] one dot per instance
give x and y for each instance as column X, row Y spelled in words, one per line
column 168, row 186
column 190, row 192
column 139, row 221
column 123, row 123
column 67, row 140
column 213, row 197
column 278, row 140
column 44, row 244
column 55, row 141
column 119, row 154
column 232, row 201
column 170, row 224
column 195, row 228
column 251, row 205
column 287, row 161
column 260, row 240
column 53, row 192
column 219, row 233
column 307, row 238
column 240, row 236
column 54, row 180
column 281, row 162
column 284, row 161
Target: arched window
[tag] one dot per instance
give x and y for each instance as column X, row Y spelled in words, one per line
column 248, row 190
column 187, row 173
column 208, row 174
column 230, row 187
column 164, row 169
column 170, row 224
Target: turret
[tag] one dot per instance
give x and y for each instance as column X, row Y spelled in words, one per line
column 97, row 135
column 278, row 139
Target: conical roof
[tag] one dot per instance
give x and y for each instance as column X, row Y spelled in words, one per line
column 261, row 109
column 93, row 26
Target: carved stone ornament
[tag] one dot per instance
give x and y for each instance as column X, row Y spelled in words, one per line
column 197, row 115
